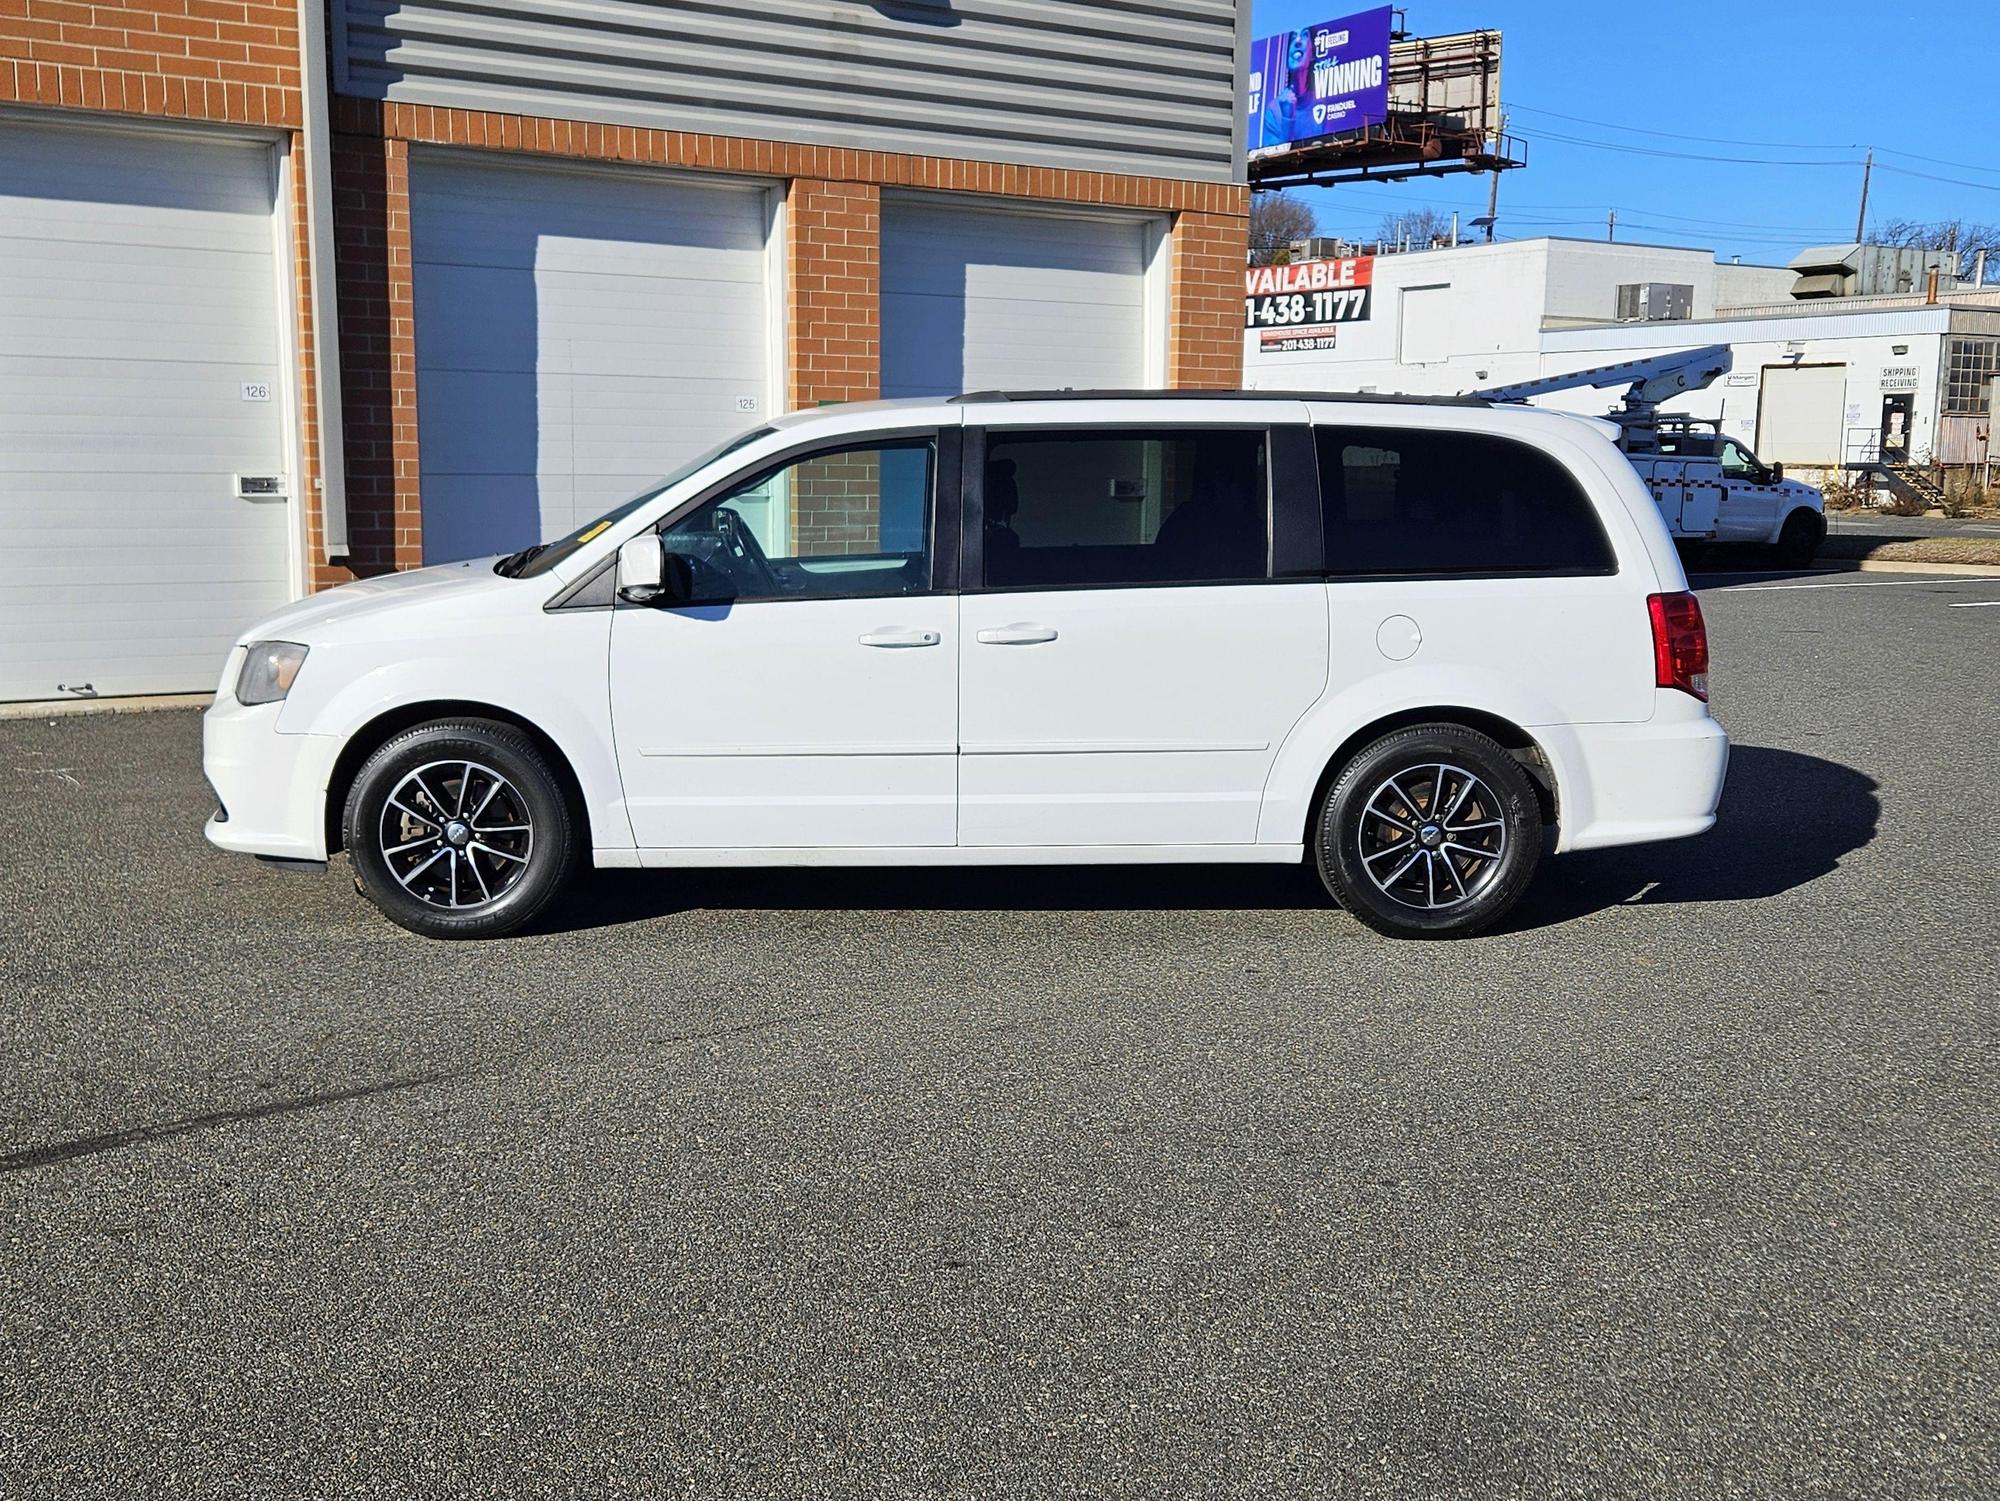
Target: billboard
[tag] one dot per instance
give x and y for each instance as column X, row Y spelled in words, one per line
column 1319, row 80
column 1300, row 306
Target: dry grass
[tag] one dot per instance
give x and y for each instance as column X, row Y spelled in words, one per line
column 1916, row 550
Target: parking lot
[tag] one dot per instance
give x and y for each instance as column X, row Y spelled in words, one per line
column 1164, row 1182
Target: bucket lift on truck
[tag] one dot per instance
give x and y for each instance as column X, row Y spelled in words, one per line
column 1709, row 487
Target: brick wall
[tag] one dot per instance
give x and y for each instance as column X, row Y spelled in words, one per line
column 378, row 372
column 833, row 267
column 1205, row 342
column 837, row 505
column 220, row 60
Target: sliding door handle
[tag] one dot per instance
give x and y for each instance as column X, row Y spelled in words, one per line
column 891, row 636
column 1016, row 635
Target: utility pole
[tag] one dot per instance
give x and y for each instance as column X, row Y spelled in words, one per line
column 1861, row 219
column 1611, row 225
column 1492, row 205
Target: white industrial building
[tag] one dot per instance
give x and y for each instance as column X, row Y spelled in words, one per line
column 1819, row 382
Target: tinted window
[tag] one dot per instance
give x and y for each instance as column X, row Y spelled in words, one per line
column 1406, row 501
column 1080, row 509
column 843, row 523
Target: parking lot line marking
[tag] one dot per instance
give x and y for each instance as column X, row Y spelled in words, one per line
column 1865, row 584
column 1972, row 604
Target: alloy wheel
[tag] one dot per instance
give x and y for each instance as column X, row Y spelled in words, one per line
column 1432, row 837
column 456, row 834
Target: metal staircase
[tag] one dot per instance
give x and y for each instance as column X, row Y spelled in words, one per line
column 1916, row 484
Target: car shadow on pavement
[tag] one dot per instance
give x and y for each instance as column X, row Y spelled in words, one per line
column 1786, row 819
column 1759, row 847
column 612, row 898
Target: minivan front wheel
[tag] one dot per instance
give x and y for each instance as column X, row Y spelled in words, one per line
column 1432, row 831
column 459, row 829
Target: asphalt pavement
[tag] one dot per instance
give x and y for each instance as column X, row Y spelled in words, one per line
column 1166, row 1183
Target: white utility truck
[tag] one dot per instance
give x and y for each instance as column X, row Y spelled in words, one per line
column 1710, row 488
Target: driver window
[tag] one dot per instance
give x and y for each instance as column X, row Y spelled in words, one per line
column 1736, row 464
column 842, row 523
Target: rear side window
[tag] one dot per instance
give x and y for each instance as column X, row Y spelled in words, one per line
column 1406, row 501
column 1083, row 509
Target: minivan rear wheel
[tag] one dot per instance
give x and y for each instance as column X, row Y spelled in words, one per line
column 1432, row 831
column 459, row 829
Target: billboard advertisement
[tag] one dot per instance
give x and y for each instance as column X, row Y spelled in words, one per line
column 1300, row 306
column 1319, row 80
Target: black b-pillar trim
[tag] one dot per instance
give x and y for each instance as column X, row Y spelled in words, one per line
column 1298, row 537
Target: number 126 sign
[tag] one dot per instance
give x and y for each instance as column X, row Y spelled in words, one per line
column 1307, row 293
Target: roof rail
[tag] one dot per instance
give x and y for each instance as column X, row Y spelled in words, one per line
column 1390, row 398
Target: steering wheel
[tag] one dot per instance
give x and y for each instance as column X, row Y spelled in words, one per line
column 741, row 547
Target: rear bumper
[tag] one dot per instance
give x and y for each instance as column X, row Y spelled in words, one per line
column 273, row 786
column 1634, row 783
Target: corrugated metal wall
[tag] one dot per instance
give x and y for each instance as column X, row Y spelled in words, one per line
column 1138, row 86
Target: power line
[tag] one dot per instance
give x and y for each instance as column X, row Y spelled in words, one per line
column 1676, row 136
column 1592, row 214
column 1672, row 135
column 1688, row 156
column 1938, row 161
column 1984, row 187
column 1537, row 213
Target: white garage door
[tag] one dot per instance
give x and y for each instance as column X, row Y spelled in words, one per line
column 1799, row 413
column 978, row 299
column 139, row 374
column 579, row 333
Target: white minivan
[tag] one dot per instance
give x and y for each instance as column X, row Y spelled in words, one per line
column 1413, row 641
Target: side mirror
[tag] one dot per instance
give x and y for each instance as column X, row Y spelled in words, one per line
column 641, row 569
column 650, row 575
column 1777, row 474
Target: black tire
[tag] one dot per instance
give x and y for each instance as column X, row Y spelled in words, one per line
column 541, row 834
column 1435, row 762
column 1798, row 539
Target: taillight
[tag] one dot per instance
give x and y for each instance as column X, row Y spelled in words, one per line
column 1680, row 643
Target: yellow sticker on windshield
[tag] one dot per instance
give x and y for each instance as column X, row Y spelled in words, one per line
column 596, row 531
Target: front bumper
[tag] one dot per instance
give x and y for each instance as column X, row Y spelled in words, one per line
column 1635, row 783
column 273, row 785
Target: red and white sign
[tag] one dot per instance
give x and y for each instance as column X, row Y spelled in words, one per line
column 1309, row 276
column 1307, row 294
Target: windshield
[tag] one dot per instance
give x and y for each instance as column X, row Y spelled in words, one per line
column 530, row 562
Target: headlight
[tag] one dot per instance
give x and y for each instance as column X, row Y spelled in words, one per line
column 268, row 671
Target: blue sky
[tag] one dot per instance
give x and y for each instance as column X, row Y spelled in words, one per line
column 1808, row 81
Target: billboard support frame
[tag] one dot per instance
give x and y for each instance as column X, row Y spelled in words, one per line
column 1443, row 117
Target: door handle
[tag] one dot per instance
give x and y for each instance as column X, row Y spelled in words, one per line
column 1016, row 635
column 890, row 636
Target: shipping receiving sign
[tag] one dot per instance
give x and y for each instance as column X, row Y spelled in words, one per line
column 1296, row 307
column 1319, row 80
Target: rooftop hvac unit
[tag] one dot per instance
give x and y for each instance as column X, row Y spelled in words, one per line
column 1655, row 301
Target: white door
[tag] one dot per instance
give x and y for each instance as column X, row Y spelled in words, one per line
column 140, row 373
column 979, row 299
column 807, row 697
column 1799, row 414
column 579, row 333
column 1426, row 331
column 1750, row 503
column 1127, row 673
